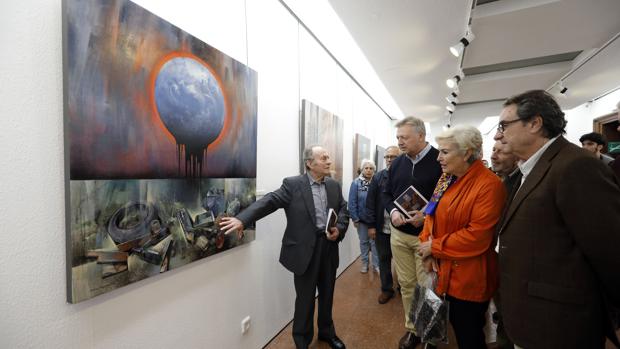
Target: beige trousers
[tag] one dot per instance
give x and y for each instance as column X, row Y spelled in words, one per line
column 408, row 267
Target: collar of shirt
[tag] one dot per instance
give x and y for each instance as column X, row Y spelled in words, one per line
column 312, row 180
column 514, row 172
column 420, row 155
column 527, row 166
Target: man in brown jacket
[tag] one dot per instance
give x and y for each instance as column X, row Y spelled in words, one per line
column 558, row 242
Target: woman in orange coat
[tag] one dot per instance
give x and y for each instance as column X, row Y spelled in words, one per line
column 458, row 233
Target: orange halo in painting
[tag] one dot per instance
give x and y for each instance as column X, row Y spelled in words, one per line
column 155, row 117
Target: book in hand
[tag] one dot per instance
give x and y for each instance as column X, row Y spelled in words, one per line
column 332, row 219
column 410, row 200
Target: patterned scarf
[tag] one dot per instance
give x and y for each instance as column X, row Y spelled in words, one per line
column 444, row 182
column 364, row 183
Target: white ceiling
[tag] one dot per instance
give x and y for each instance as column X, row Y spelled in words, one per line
column 519, row 45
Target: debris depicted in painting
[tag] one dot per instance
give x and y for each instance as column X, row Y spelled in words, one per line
column 324, row 128
column 161, row 142
column 361, row 151
column 123, row 231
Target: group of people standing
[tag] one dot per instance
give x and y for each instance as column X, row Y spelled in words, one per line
column 539, row 236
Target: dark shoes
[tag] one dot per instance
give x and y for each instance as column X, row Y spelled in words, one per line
column 385, row 297
column 409, row 341
column 334, row 342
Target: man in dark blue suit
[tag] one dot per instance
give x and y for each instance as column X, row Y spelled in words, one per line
column 308, row 250
column 379, row 225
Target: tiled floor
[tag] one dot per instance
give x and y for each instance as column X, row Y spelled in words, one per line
column 361, row 322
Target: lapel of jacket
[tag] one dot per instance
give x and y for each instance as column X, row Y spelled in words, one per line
column 534, row 178
column 306, row 193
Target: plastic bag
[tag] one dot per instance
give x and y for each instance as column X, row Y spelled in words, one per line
column 429, row 312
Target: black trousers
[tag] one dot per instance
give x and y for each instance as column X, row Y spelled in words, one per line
column 321, row 275
column 468, row 320
column 384, row 250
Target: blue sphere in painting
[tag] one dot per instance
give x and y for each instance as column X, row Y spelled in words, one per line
column 190, row 102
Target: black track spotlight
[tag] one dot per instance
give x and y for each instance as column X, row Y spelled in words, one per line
column 562, row 89
column 454, row 81
column 457, row 50
column 452, row 99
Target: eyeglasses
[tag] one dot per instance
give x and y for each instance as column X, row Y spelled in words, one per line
column 501, row 127
column 390, row 156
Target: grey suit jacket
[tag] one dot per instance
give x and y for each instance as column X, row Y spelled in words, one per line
column 295, row 197
column 558, row 255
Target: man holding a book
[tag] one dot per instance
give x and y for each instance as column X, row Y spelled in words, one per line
column 417, row 167
column 310, row 243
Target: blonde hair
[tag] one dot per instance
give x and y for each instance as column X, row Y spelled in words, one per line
column 466, row 138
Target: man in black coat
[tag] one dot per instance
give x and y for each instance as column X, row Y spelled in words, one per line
column 308, row 250
column 379, row 225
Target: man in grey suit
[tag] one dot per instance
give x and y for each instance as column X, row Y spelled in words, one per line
column 559, row 237
column 308, row 250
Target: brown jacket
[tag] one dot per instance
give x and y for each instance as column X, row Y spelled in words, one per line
column 559, row 252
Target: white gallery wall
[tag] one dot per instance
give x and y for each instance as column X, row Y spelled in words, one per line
column 580, row 119
column 199, row 305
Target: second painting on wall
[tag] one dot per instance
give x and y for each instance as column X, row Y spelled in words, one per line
column 324, row 128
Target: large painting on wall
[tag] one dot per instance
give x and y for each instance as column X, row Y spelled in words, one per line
column 160, row 144
column 379, row 160
column 319, row 126
column 361, row 151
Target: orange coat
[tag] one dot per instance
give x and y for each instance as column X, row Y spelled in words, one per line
column 463, row 233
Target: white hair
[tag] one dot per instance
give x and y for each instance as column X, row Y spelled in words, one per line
column 366, row 162
column 466, row 138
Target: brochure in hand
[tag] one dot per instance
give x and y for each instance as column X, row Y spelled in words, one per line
column 332, row 219
column 410, row 200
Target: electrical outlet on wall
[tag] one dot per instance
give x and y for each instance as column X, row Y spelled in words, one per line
column 245, row 324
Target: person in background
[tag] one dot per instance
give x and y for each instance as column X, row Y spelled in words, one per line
column 615, row 165
column 357, row 209
column 559, row 236
column 594, row 142
column 309, row 248
column 458, row 234
column 504, row 164
column 417, row 166
column 379, row 225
